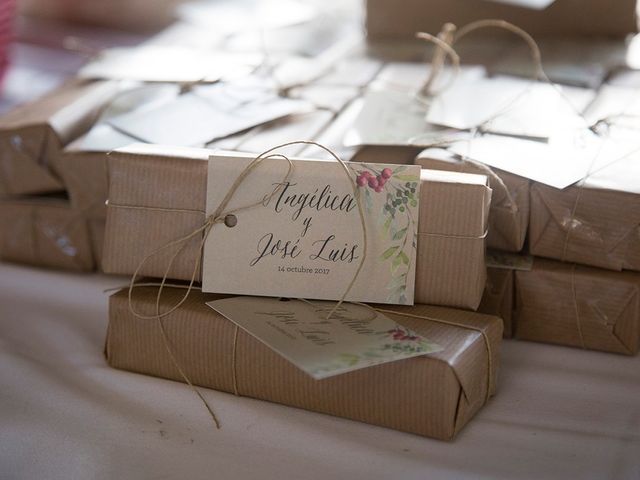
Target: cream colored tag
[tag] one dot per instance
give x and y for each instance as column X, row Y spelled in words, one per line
column 355, row 337
column 306, row 240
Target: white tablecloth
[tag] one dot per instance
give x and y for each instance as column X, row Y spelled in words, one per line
column 64, row 414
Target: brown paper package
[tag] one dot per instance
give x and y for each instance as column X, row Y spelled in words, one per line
column 509, row 214
column 32, row 135
column 450, row 267
column 578, row 306
column 590, row 226
column 96, row 234
column 498, row 297
column 434, row 395
column 84, row 175
column 563, row 18
column 44, row 232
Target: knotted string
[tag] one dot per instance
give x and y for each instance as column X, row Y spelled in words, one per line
column 450, row 36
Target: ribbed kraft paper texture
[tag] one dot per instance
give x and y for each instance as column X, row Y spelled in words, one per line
column 507, row 225
column 608, row 305
column 450, row 271
column 604, row 230
column 85, row 177
column 23, row 155
column 432, row 395
column 498, row 297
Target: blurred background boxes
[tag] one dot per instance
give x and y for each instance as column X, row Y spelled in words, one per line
column 563, row 18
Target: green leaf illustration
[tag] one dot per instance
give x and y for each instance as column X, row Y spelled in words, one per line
column 389, row 251
column 387, row 223
column 349, row 359
column 404, row 258
column 399, row 234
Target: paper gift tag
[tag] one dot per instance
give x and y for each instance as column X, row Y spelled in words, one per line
column 306, row 240
column 390, row 117
column 104, row 137
column 617, row 105
column 510, row 106
column 391, row 114
column 278, row 132
column 354, row 337
column 567, row 158
column 194, row 119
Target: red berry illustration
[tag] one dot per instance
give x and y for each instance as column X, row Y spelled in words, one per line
column 381, row 180
column 386, row 173
column 378, row 189
column 366, row 174
column 373, row 182
column 361, row 180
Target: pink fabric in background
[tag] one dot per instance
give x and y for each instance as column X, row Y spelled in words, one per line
column 7, row 9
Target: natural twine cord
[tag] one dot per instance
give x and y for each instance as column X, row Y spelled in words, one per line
column 444, row 42
column 217, row 217
column 220, row 214
column 576, row 309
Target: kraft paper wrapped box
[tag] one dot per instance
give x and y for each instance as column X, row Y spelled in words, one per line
column 84, row 174
column 578, row 306
column 498, row 297
column 32, row 135
column 434, row 395
column 592, row 226
column 96, row 235
column 44, row 232
column 157, row 195
column 509, row 214
column 561, row 18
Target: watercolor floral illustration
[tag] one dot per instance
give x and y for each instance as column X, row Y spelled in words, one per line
column 396, row 219
column 399, row 342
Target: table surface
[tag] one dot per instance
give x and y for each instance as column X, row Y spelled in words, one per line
column 559, row 412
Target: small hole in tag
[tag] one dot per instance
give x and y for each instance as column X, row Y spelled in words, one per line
column 230, row 221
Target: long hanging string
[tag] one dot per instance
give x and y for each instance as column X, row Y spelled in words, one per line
column 219, row 216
